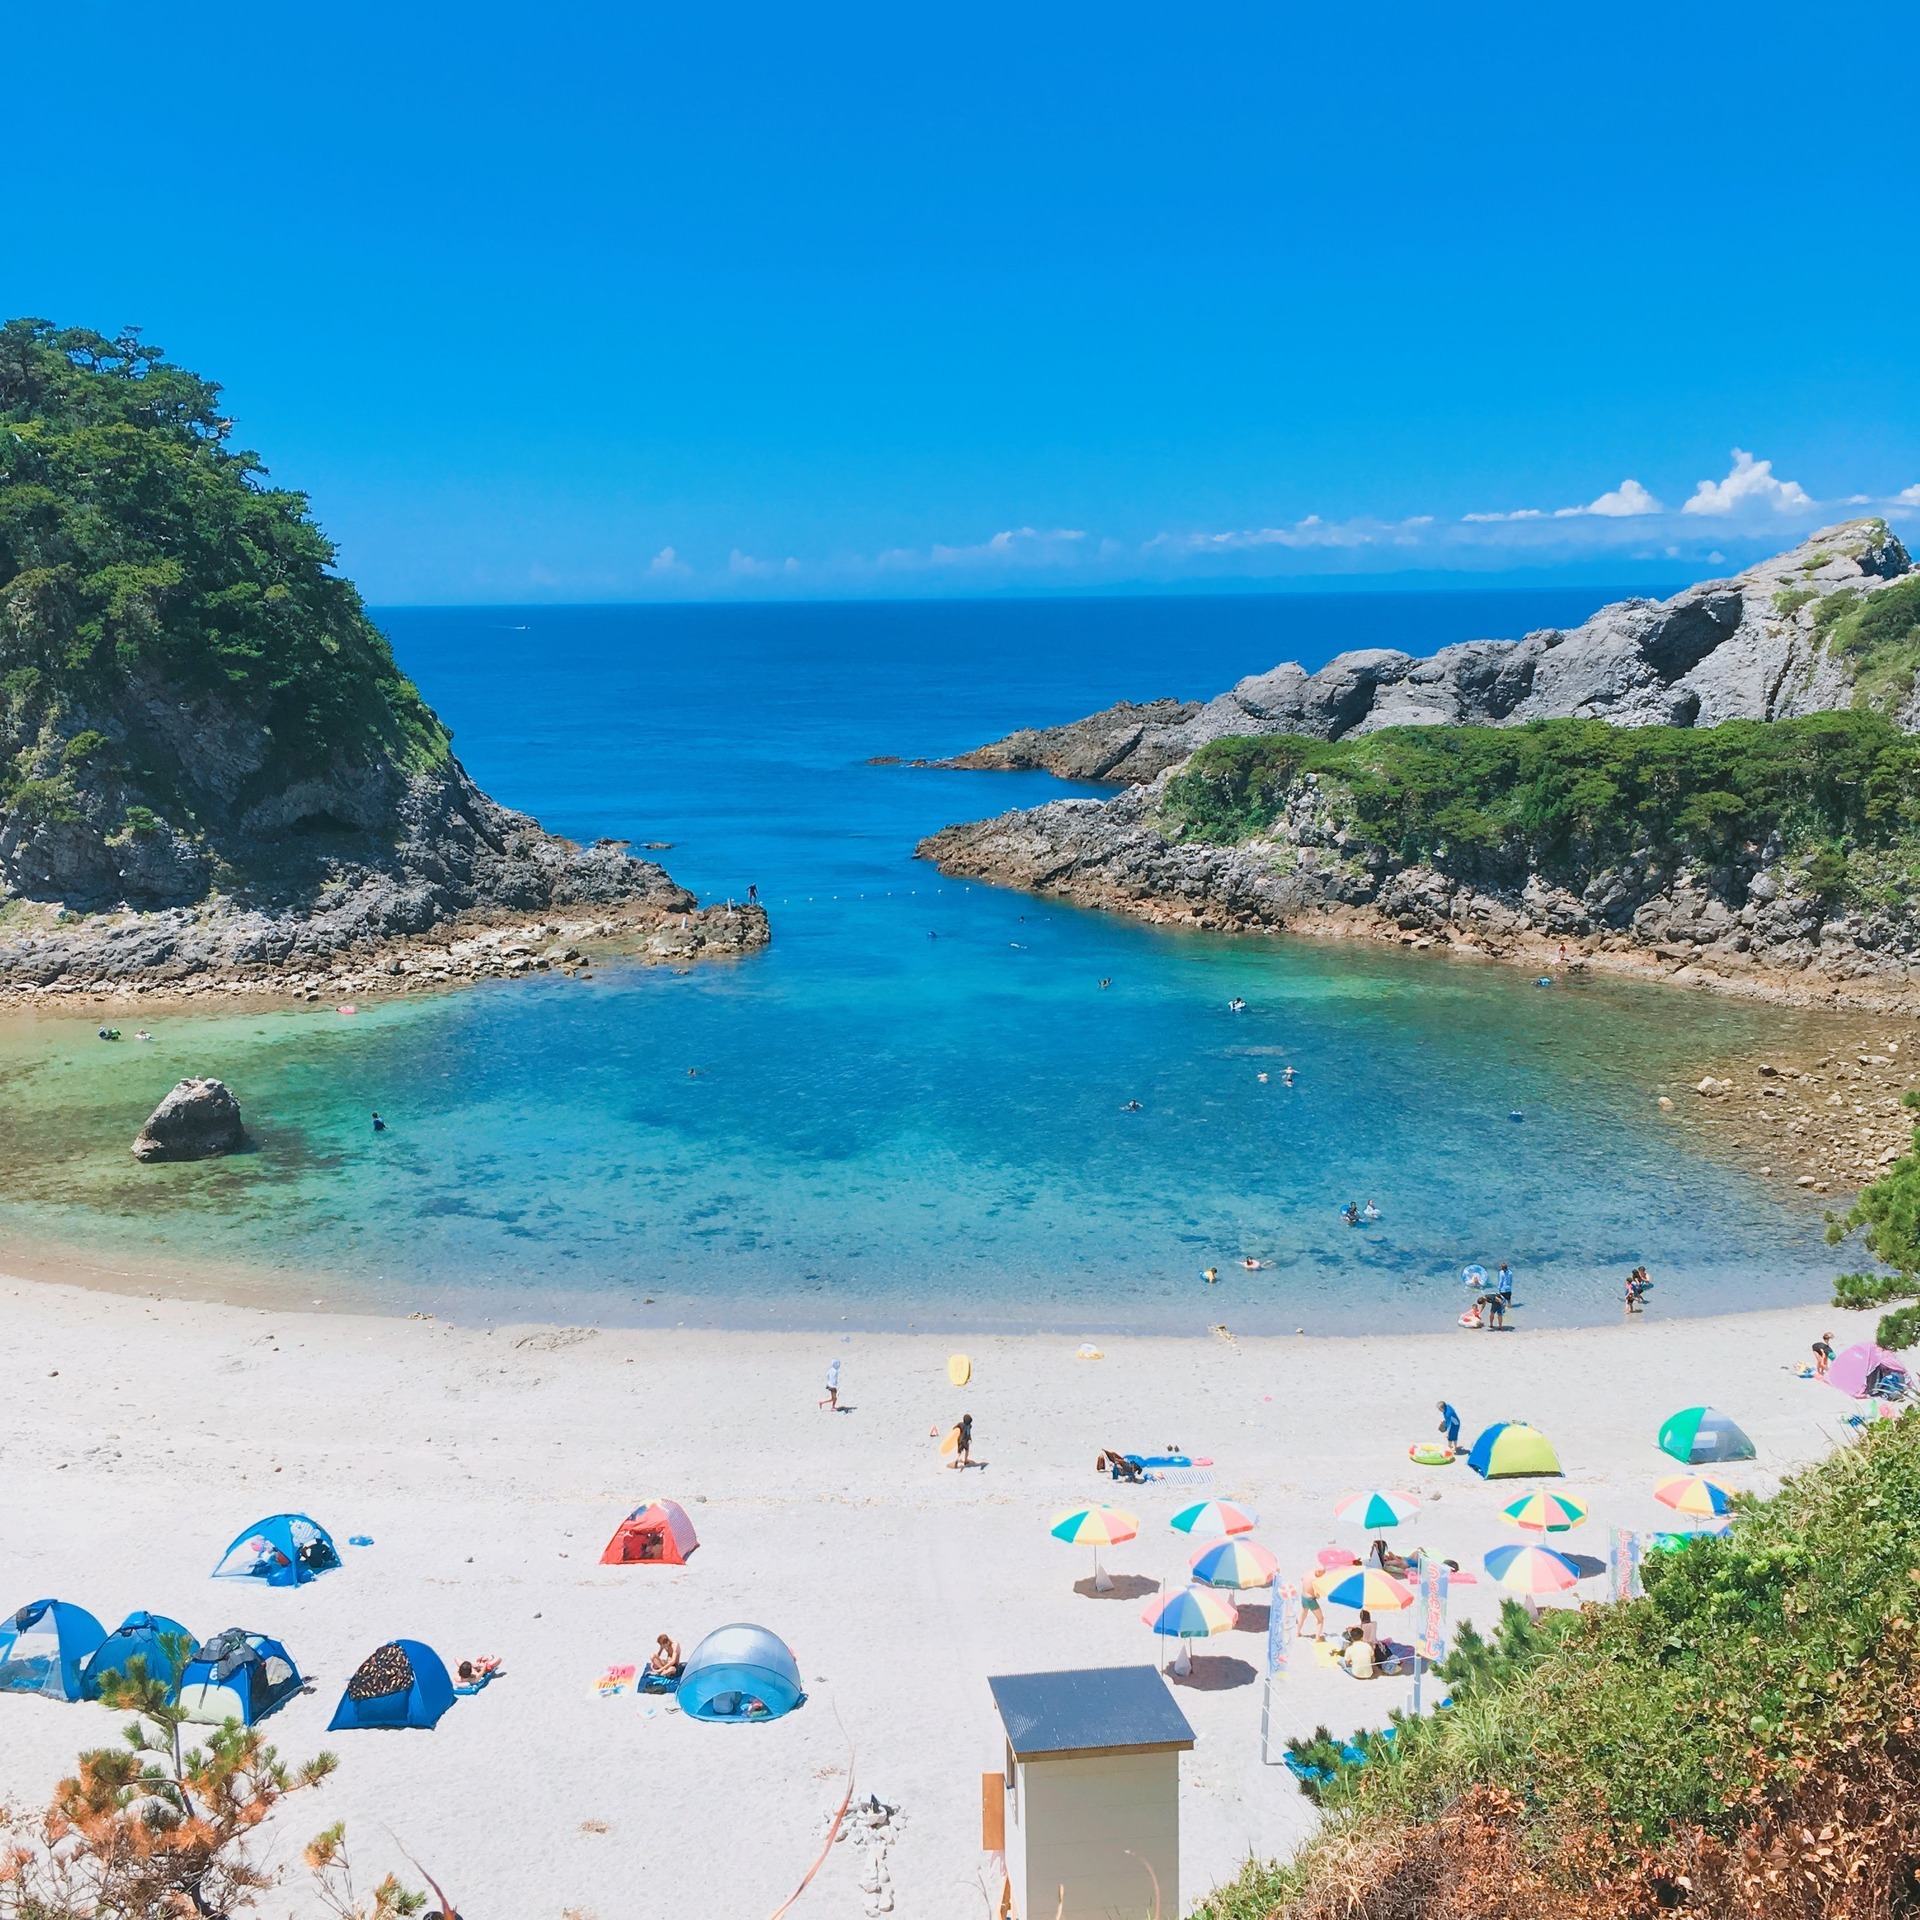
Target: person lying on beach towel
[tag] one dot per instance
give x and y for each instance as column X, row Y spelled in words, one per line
column 474, row 1674
column 1119, row 1465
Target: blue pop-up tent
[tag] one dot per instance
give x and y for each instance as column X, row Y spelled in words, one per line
column 44, row 1646
column 162, row 1643
column 403, row 1684
column 740, row 1673
column 237, row 1675
column 284, row 1550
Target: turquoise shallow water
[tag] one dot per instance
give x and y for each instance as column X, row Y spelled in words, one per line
column 910, row 1110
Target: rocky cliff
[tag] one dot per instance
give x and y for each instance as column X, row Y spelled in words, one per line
column 1583, row 789
column 210, row 766
column 1757, row 924
column 1765, row 645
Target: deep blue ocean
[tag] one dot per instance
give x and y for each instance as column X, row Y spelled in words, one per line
column 910, row 1110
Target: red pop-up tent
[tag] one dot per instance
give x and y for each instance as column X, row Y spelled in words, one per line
column 658, row 1532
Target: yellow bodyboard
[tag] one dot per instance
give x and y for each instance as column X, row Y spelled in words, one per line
column 959, row 1369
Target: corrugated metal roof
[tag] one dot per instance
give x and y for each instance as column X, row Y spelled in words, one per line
column 1087, row 1709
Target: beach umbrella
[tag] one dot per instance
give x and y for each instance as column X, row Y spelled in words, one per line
column 1364, row 1587
column 1189, row 1613
column 1374, row 1510
column 1095, row 1527
column 1532, row 1569
column 1545, row 1513
column 1211, row 1517
column 1694, row 1493
column 1233, row 1564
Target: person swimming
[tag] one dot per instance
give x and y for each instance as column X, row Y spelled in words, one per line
column 1236, row 1005
column 1130, row 1106
column 1350, row 1213
column 1286, row 1076
column 1253, row 1266
column 1370, row 1212
column 1263, row 1079
column 1211, row 1275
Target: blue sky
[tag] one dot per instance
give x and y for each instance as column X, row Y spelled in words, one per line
column 609, row 302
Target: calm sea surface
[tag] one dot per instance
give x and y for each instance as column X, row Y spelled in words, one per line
column 910, row 1109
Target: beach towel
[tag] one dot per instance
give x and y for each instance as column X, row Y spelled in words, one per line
column 614, row 1681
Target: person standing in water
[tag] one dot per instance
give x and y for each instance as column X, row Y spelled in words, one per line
column 379, row 1125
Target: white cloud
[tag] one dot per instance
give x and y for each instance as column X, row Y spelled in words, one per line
column 1626, row 502
column 1908, row 496
column 746, row 566
column 666, row 564
column 1750, row 483
column 1012, row 546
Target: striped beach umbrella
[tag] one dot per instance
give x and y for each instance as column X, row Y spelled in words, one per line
column 1095, row 1527
column 1233, row 1564
column 1364, row 1587
column 1694, row 1493
column 1545, row 1513
column 1189, row 1613
column 1532, row 1569
column 1374, row 1510
column 1213, row 1517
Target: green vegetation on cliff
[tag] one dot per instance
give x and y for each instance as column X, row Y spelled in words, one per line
column 142, row 558
column 1833, row 785
column 1664, row 1752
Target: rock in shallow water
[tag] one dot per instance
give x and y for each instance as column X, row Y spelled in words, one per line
column 198, row 1120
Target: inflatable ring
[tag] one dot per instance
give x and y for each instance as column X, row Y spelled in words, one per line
column 1430, row 1453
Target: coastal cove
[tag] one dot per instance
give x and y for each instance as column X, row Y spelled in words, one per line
column 911, row 1109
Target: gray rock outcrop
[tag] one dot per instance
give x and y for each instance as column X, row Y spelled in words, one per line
column 198, row 1120
column 1753, row 924
column 1746, row 648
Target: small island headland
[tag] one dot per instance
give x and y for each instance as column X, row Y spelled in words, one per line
column 213, row 775
column 1721, row 789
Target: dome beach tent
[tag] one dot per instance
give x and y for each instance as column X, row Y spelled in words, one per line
column 734, row 1666
column 284, row 1550
column 403, row 1684
column 44, row 1646
column 162, row 1643
column 237, row 1675
column 1859, row 1370
column 658, row 1531
column 1696, row 1436
column 1510, row 1448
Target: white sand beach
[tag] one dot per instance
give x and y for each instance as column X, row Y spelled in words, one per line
column 489, row 1468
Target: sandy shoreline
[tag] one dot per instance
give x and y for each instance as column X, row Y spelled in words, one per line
column 489, row 1468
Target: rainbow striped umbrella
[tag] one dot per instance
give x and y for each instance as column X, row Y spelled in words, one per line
column 1191, row 1613
column 1374, row 1510
column 1211, row 1517
column 1234, row 1564
column 1095, row 1527
column 1532, row 1569
column 1545, row 1513
column 1364, row 1587
column 1694, row 1493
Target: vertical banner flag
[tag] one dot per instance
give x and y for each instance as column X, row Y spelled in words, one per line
column 1623, row 1565
column 1283, row 1625
column 1435, row 1577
